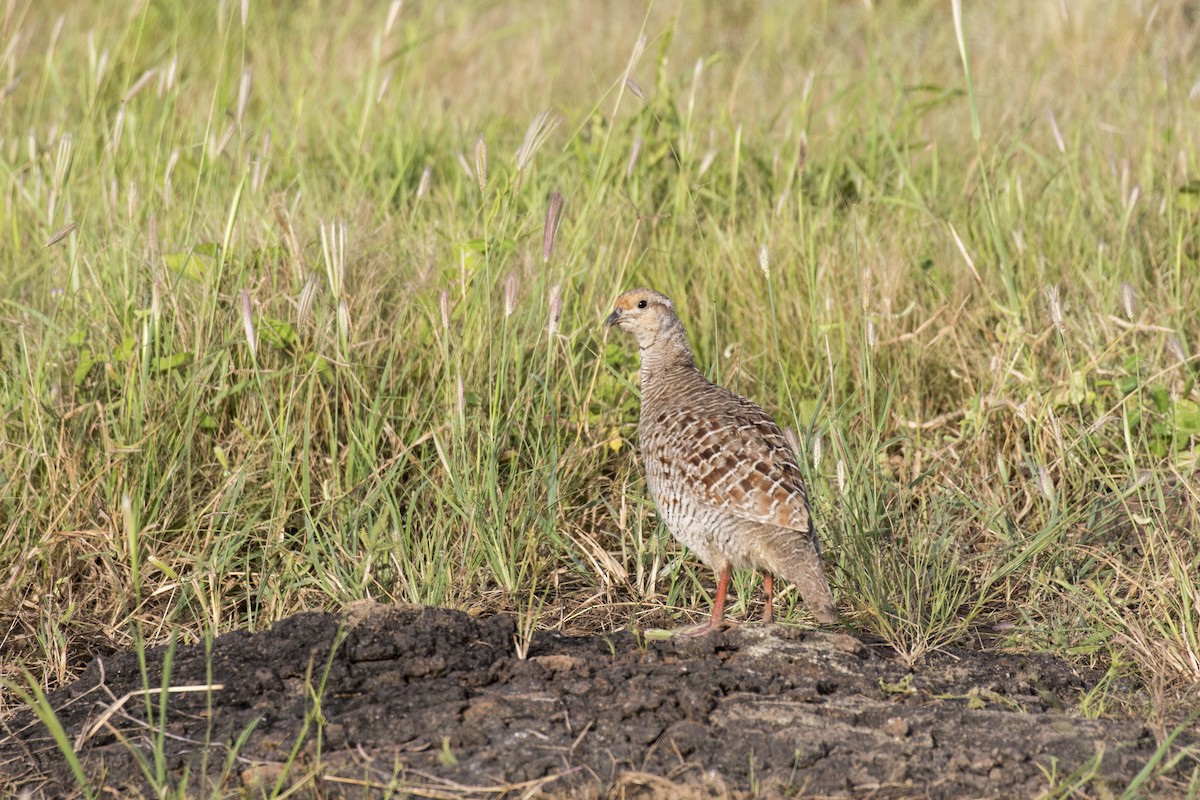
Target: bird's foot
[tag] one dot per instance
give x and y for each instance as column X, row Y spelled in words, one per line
column 705, row 629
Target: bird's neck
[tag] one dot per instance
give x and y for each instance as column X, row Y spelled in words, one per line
column 667, row 356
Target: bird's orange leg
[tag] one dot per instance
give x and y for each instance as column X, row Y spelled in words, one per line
column 769, row 591
column 718, row 612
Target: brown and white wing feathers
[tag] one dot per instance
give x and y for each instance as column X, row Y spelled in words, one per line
column 740, row 462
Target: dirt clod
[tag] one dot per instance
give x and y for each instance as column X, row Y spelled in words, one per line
column 436, row 698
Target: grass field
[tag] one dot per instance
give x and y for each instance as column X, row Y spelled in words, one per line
column 286, row 326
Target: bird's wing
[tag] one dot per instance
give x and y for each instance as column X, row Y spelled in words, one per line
column 742, row 464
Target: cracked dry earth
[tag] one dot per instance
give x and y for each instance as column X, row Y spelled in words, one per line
column 404, row 701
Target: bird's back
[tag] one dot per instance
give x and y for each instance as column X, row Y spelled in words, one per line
column 714, row 459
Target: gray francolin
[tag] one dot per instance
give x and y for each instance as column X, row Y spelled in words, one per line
column 721, row 472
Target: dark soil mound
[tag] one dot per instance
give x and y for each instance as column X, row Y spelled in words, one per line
column 432, row 702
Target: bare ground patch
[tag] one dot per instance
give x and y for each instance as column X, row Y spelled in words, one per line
column 386, row 700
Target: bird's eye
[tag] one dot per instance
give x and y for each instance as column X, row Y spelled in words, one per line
column 641, row 303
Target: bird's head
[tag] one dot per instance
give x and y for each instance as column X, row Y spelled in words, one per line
column 644, row 313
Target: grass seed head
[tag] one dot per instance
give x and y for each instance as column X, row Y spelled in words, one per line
column 1058, row 137
column 60, row 234
column 1056, row 312
column 764, row 261
column 248, row 325
column 510, row 294
column 481, row 165
column 393, row 13
column 444, row 308
column 535, row 136
column 167, row 77
column 426, row 179
column 1045, row 484
column 1175, row 348
column 550, row 229
column 1128, row 300
column 304, row 305
column 243, row 98
column 634, row 152
column 343, row 319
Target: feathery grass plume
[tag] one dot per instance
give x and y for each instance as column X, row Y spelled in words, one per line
column 99, row 62
column 841, row 476
column 393, row 13
column 793, row 441
column 555, row 309
column 872, row 334
column 1128, row 300
column 243, row 98
column 481, row 163
column 61, row 234
column 866, row 290
column 1175, row 347
column 1019, row 240
column 259, row 167
column 1058, row 137
column 1045, row 485
column 1056, row 312
column 62, row 165
column 802, row 154
column 153, row 248
column 781, row 201
column 156, row 291
column 343, row 319
column 1131, row 201
column 426, row 180
column 248, row 325
column 168, row 76
column 172, row 161
column 444, row 308
column 131, row 200
column 634, row 87
column 217, row 146
column 141, row 83
column 550, row 228
column 535, row 136
column 764, row 261
column 467, row 169
column 333, row 248
column 962, row 249
column 816, row 450
column 304, row 304
column 636, row 55
column 461, row 397
column 706, row 162
column 634, row 152
column 510, row 294
column 383, row 86
column 697, row 70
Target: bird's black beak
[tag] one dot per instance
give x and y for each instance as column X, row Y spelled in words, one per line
column 612, row 318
